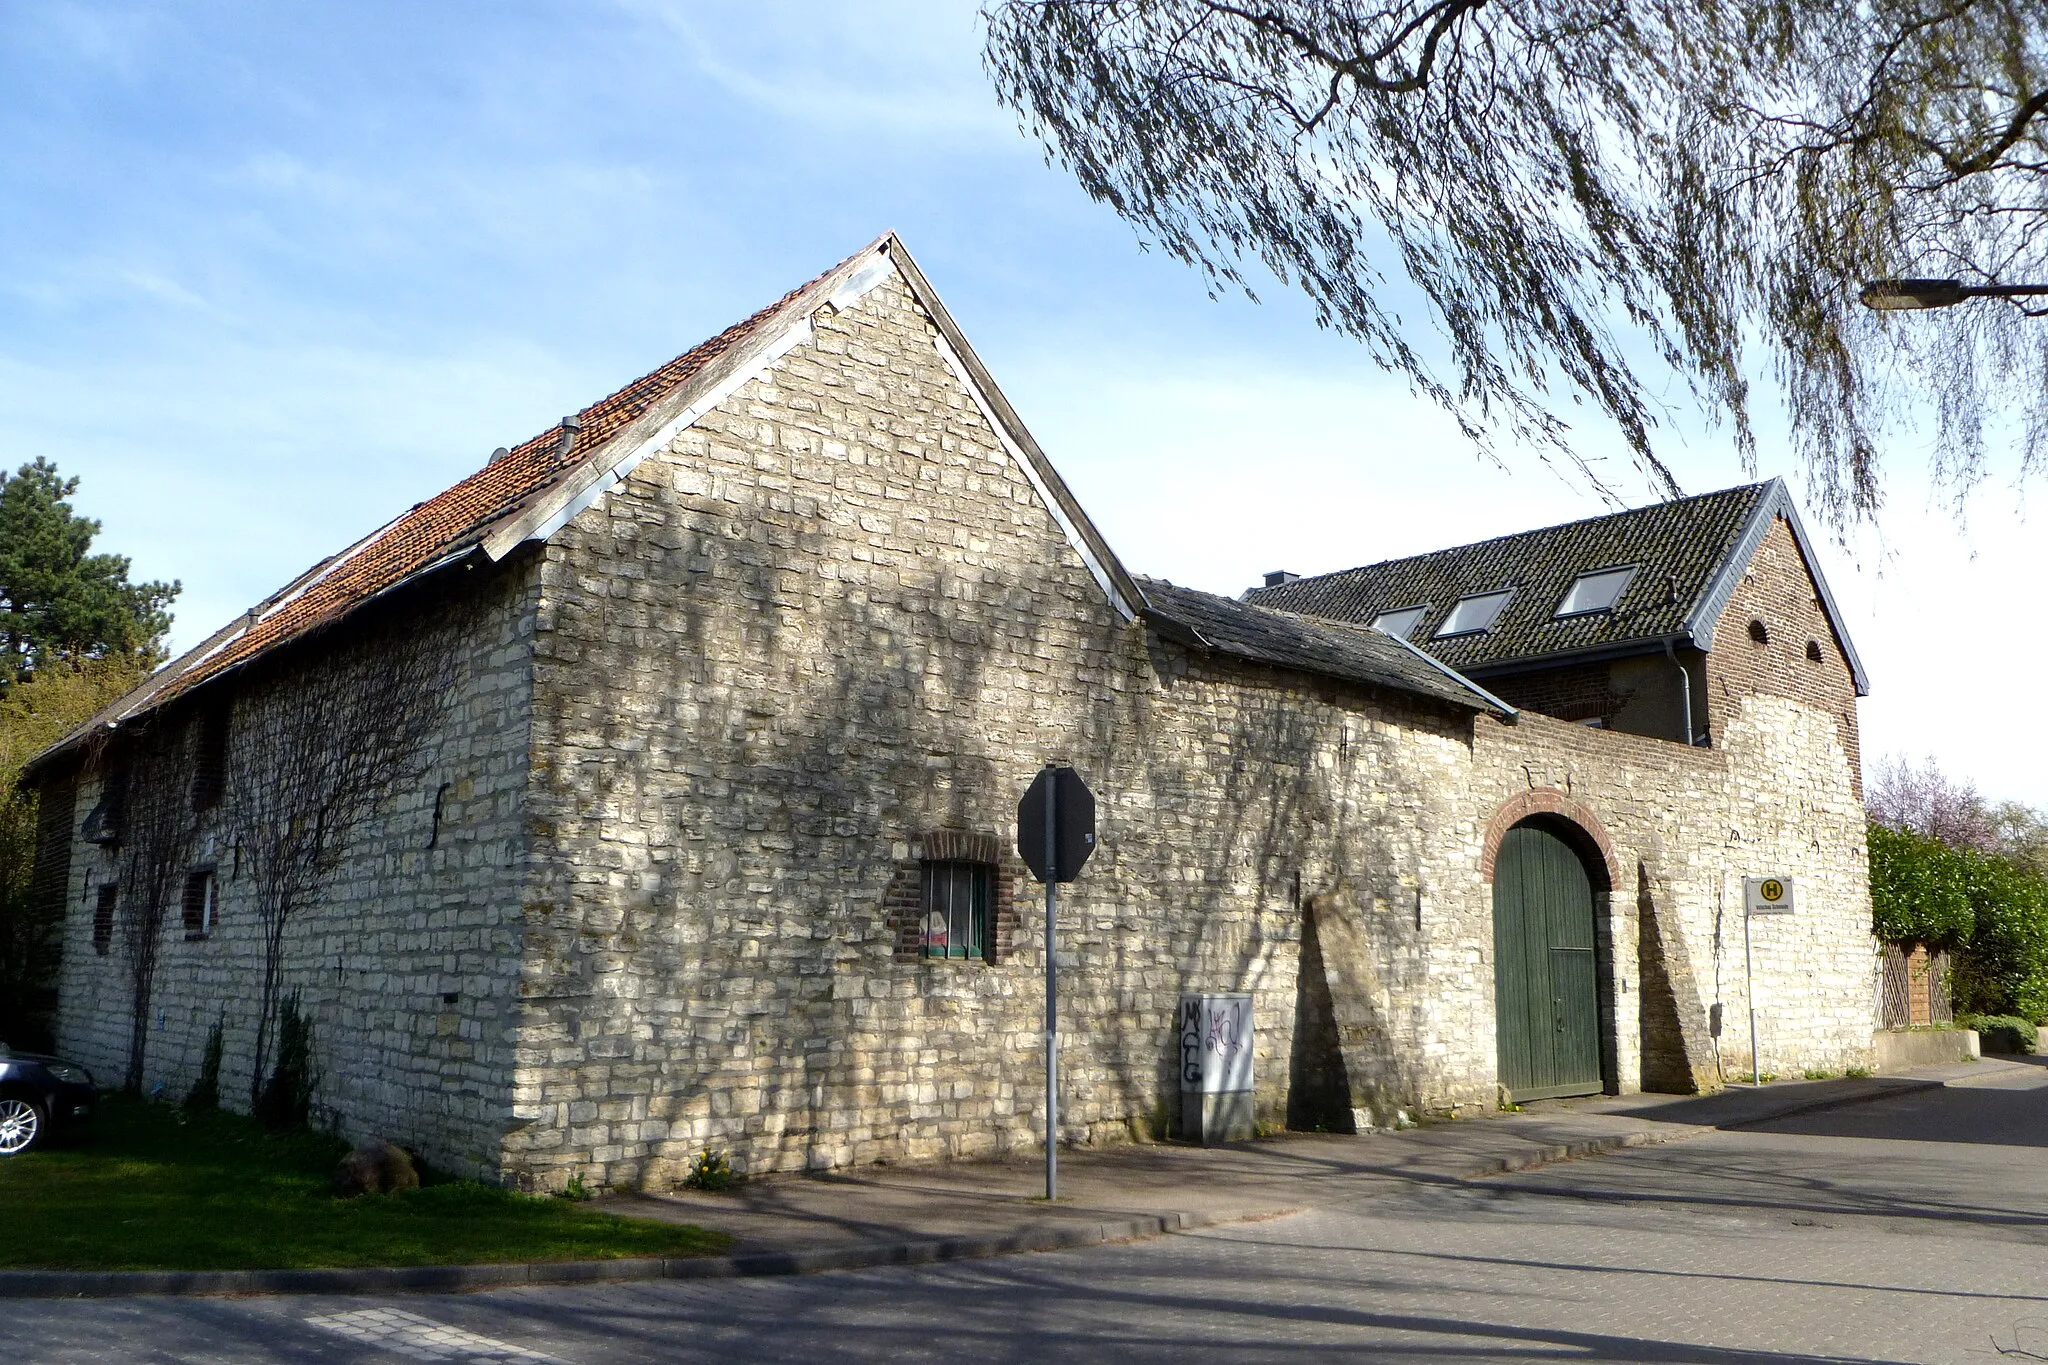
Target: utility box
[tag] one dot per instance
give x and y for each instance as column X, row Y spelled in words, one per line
column 1215, row 1042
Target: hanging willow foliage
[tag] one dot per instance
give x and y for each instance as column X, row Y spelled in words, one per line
column 1593, row 195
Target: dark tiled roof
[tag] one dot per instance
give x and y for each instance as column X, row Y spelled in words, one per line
column 1286, row 640
column 1679, row 549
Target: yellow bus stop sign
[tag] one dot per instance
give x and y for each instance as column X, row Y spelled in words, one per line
column 1767, row 895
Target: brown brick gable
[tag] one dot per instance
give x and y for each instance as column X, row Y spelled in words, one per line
column 1778, row 591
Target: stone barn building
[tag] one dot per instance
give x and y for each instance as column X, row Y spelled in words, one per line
column 707, row 836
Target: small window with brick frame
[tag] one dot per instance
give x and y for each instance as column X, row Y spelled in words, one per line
column 103, row 918
column 201, row 903
column 957, row 902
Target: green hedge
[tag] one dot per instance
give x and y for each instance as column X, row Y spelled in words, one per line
column 2000, row 1032
column 1990, row 911
column 2003, row 969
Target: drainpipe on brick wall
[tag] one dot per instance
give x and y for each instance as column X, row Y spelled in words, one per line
column 1685, row 688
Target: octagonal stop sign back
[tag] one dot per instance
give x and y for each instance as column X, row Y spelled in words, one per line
column 1072, row 820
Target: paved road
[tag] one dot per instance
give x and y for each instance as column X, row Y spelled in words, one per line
column 1904, row 1230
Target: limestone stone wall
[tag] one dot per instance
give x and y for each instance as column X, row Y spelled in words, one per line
column 408, row 962
column 1777, row 796
column 833, row 626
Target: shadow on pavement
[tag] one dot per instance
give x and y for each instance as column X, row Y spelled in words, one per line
column 2002, row 1102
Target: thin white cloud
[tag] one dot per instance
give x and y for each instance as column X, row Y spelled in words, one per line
column 110, row 38
column 895, row 70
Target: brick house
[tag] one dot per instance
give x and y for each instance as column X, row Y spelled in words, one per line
column 710, row 842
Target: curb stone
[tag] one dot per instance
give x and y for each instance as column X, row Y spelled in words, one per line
column 66, row 1284
column 1574, row 1151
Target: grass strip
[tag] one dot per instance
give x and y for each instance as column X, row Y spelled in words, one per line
column 146, row 1187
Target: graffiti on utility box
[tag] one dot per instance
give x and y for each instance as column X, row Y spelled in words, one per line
column 1215, row 1043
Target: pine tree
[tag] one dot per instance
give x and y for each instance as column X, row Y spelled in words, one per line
column 59, row 602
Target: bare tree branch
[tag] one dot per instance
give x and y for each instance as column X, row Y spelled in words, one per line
column 1578, row 189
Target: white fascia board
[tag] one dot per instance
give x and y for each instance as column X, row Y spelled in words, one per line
column 1705, row 615
column 861, row 281
column 1124, row 608
column 796, row 335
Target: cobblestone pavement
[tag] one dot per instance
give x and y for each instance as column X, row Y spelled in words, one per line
column 1902, row 1230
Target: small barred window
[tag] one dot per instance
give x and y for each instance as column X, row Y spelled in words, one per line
column 103, row 919
column 200, row 904
column 956, row 910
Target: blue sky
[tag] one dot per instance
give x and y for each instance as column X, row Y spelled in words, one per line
column 270, row 274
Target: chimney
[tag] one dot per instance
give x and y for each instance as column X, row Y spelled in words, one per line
column 1279, row 576
column 572, row 427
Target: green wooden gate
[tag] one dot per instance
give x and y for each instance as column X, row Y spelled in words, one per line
column 1545, row 991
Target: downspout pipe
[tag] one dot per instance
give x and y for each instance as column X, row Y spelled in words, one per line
column 1684, row 687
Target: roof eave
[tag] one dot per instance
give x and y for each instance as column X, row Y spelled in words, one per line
column 141, row 701
column 1506, row 712
column 1619, row 649
column 1476, row 698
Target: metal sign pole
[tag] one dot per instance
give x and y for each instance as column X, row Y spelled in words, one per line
column 1052, row 999
column 1756, row 1066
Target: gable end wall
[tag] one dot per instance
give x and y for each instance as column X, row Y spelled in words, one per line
column 1778, row 589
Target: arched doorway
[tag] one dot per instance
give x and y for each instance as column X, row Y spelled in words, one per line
column 1546, row 983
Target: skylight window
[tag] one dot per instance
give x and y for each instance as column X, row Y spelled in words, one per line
column 1401, row 623
column 1591, row 592
column 1476, row 614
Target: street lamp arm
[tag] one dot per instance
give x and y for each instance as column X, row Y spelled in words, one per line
column 1910, row 295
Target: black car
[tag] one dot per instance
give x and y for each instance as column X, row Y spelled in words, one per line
column 38, row 1094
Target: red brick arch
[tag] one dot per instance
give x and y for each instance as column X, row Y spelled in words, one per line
column 1579, row 825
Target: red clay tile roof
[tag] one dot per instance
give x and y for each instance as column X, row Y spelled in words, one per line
column 447, row 524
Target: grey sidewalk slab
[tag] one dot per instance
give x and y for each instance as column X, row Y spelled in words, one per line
column 1197, row 1186
column 902, row 1215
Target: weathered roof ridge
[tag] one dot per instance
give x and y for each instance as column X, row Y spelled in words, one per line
column 1688, row 554
column 1681, row 551
column 1332, row 649
column 1554, row 528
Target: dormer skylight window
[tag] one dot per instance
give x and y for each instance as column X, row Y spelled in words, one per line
column 1599, row 591
column 1475, row 615
column 1400, row 623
